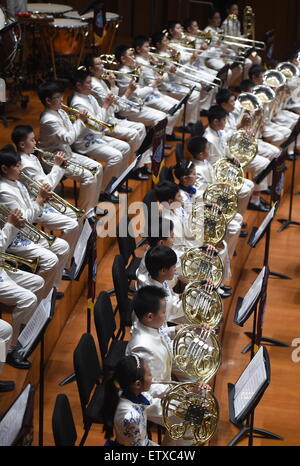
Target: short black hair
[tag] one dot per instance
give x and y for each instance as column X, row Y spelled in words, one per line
column 160, row 231
column 166, row 190
column 216, row 113
column 171, row 24
column 188, row 22
column 48, row 89
column 229, row 5
column 157, row 38
column 9, row 157
column 89, row 60
column 147, row 300
column 139, row 41
column 246, row 85
column 20, row 134
column 184, row 168
column 212, row 12
column 255, row 70
column 197, row 145
column 158, row 258
column 79, row 76
column 223, row 96
column 120, row 51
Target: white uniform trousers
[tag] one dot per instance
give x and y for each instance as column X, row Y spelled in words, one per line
column 147, row 115
column 130, row 132
column 52, row 261
column 5, row 336
column 233, row 233
column 17, row 290
column 286, row 118
column 90, row 185
column 256, row 166
column 267, row 150
column 164, row 104
column 244, row 196
column 114, row 153
column 275, row 132
column 70, row 228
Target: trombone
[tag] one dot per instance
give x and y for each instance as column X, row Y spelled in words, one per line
column 54, row 200
column 30, row 231
column 12, row 263
column 95, row 127
column 48, row 159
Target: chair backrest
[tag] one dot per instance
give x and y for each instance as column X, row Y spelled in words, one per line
column 179, row 153
column 151, row 211
column 104, row 322
column 126, row 241
column 87, row 368
column 63, row 427
column 197, row 129
column 121, row 288
column 164, row 174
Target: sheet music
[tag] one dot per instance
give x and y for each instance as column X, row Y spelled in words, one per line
column 252, row 295
column 11, row 423
column 264, row 224
column 124, row 174
column 250, row 382
column 35, row 324
column 80, row 249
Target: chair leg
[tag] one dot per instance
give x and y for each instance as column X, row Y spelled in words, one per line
column 75, row 193
column 87, row 428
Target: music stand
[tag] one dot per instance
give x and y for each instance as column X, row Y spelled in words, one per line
column 33, row 334
column 293, row 138
column 183, row 102
column 244, row 396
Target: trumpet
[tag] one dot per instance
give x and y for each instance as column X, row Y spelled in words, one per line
column 54, row 200
column 29, row 231
column 93, row 126
column 6, row 261
column 134, row 74
column 78, row 169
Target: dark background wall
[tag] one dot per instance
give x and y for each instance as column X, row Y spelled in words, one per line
column 147, row 16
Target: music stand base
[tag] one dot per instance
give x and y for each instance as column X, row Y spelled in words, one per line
column 266, row 340
column 274, row 274
column 67, row 380
column 286, row 224
column 6, row 119
column 245, row 433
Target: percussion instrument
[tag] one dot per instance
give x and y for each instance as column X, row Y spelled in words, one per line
column 10, row 39
column 48, row 8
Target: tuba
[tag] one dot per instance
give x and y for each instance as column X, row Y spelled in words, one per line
column 190, row 414
column 228, row 171
column 274, row 78
column 197, row 352
column 289, row 70
column 29, row 231
column 243, row 146
column 202, row 304
column 225, row 196
column 54, row 200
column 13, row 263
column 202, row 263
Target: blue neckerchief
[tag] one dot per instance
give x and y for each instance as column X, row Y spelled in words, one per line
column 140, row 399
column 188, row 189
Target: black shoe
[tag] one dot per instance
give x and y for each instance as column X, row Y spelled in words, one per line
column 14, row 359
column 105, row 197
column 172, row 137
column 243, row 234
column 100, row 212
column 184, row 129
column 145, row 170
column 258, row 207
column 225, row 295
column 7, row 385
column 267, row 192
column 138, row 175
column 67, row 275
column 124, row 189
column 244, row 225
column 264, row 202
column 60, row 294
column 226, row 288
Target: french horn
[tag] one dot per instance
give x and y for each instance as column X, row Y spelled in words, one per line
column 229, row 171
column 200, row 264
column 225, row 196
column 202, row 304
column 190, row 414
column 197, row 352
column 243, row 146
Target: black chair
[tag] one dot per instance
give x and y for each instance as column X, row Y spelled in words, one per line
column 179, row 152
column 164, row 174
column 63, row 427
column 88, row 372
column 127, row 247
column 151, row 211
column 111, row 349
column 197, row 129
column 121, row 289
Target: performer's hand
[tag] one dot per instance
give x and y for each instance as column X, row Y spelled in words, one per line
column 204, row 46
column 201, row 386
column 59, row 159
column 15, row 218
column 83, row 115
column 43, row 194
column 108, row 101
column 111, row 78
column 132, row 86
column 157, row 81
column 172, row 69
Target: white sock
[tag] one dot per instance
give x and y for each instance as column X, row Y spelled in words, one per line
column 255, row 200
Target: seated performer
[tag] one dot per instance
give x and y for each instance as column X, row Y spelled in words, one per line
column 125, row 410
column 217, row 142
column 17, row 292
column 25, row 142
column 14, row 195
column 5, row 337
column 93, row 141
column 150, row 77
